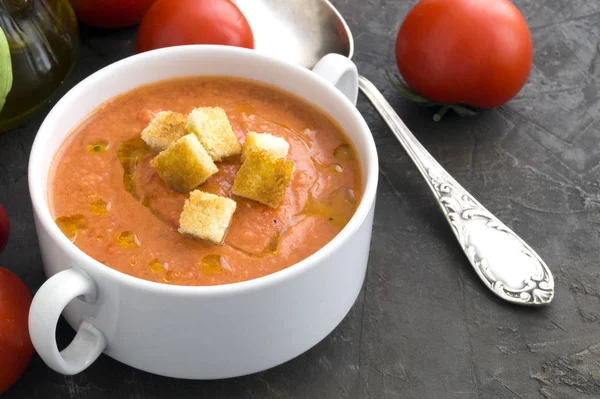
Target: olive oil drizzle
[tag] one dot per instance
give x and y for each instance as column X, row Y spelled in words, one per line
column 338, row 208
column 97, row 147
column 99, row 207
column 72, row 225
column 130, row 153
column 214, row 264
column 127, row 239
column 161, row 267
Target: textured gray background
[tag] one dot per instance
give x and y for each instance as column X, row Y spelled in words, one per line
column 424, row 326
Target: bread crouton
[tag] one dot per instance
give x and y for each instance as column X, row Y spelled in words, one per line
column 214, row 131
column 274, row 145
column 165, row 128
column 263, row 178
column 206, row 216
column 185, row 164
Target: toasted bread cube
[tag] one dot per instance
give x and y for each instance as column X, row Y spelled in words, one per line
column 185, row 164
column 274, row 145
column 165, row 128
column 263, row 178
column 214, row 131
column 206, row 216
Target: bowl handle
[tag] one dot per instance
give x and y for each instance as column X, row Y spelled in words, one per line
column 46, row 308
column 340, row 72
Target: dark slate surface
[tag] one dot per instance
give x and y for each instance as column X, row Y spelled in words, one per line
column 424, row 326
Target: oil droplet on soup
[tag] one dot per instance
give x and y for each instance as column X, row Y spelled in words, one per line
column 273, row 244
column 213, row 264
column 245, row 108
column 168, row 276
column 99, row 207
column 158, row 266
column 127, row 239
column 71, row 225
column 344, row 152
column 338, row 206
column 98, row 147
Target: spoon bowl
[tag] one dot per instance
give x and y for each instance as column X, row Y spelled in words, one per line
column 298, row 31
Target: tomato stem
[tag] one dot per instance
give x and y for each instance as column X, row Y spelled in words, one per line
column 406, row 92
column 440, row 113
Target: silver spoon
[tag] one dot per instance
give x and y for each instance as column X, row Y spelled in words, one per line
column 303, row 31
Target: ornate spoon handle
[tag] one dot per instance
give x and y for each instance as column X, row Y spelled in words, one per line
column 503, row 261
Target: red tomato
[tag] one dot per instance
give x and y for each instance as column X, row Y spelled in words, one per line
column 179, row 22
column 473, row 52
column 111, row 14
column 15, row 345
column 4, row 228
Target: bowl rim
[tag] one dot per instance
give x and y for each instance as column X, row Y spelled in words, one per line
column 78, row 257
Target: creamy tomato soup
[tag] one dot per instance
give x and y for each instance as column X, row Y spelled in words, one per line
column 108, row 200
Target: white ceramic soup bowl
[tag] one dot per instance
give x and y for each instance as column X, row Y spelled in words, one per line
column 203, row 332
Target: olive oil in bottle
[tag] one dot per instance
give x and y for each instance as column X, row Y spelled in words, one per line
column 43, row 40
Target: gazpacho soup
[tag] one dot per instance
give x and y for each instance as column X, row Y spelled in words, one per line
column 204, row 181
